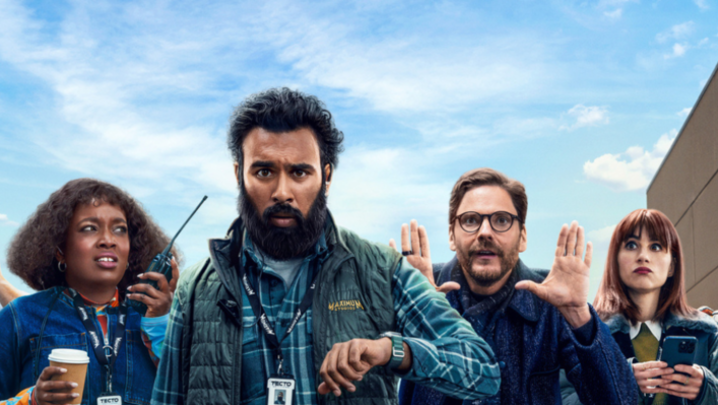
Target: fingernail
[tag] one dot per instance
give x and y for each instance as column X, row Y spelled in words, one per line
column 63, row 370
column 73, row 385
column 75, row 395
column 360, row 377
column 352, row 388
column 129, row 288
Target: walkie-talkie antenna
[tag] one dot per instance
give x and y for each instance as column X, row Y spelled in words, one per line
column 167, row 249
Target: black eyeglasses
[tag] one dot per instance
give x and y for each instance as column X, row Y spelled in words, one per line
column 501, row 221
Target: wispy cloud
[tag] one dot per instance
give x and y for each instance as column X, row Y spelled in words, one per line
column 631, row 170
column 676, row 32
column 5, row 221
column 407, row 190
column 678, row 51
column 585, row 116
column 116, row 79
column 702, row 4
column 684, row 112
column 615, row 14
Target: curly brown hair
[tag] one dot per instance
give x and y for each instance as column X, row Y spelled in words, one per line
column 31, row 255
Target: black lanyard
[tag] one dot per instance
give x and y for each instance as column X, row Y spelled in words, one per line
column 258, row 310
column 105, row 354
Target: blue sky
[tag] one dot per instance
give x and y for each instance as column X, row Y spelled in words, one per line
column 578, row 100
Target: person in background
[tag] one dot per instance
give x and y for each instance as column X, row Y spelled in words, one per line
column 536, row 321
column 8, row 292
column 83, row 249
column 642, row 299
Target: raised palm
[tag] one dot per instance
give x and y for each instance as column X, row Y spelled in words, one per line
column 417, row 252
column 566, row 286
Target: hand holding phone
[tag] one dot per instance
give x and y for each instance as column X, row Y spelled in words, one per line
column 679, row 353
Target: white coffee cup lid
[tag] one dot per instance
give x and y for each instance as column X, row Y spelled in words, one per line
column 70, row 356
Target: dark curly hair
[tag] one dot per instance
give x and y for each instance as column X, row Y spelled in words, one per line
column 31, row 255
column 283, row 110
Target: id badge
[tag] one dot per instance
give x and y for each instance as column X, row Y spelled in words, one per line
column 281, row 390
column 109, row 398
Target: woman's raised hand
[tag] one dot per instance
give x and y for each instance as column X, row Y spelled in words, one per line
column 158, row 300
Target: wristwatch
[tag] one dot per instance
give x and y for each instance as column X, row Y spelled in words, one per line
column 397, row 349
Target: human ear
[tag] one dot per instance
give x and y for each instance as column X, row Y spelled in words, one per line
column 523, row 240
column 328, row 172
column 59, row 255
column 672, row 269
column 452, row 243
column 236, row 171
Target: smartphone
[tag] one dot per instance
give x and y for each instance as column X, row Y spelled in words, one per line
column 679, row 350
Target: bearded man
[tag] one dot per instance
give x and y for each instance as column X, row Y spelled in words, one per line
column 291, row 303
column 535, row 329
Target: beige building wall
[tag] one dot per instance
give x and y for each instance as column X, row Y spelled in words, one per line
column 685, row 188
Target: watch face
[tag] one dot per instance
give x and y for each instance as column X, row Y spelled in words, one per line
column 390, row 334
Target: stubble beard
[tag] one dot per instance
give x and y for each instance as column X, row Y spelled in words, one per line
column 283, row 243
column 487, row 278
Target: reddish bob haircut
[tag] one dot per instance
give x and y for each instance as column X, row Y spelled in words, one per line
column 612, row 297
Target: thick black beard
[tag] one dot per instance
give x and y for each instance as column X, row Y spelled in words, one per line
column 284, row 243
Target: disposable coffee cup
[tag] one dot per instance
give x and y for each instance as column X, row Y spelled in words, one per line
column 75, row 361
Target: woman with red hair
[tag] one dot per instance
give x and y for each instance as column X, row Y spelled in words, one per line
column 642, row 299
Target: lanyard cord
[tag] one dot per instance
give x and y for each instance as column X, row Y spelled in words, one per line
column 106, row 354
column 261, row 315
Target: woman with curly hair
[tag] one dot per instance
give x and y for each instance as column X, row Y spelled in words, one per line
column 642, row 299
column 83, row 249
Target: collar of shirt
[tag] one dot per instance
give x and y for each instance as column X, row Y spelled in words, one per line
column 114, row 302
column 249, row 253
column 653, row 326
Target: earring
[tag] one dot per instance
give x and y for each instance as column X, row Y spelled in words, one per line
column 61, row 267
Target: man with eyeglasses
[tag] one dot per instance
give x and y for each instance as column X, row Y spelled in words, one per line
column 537, row 322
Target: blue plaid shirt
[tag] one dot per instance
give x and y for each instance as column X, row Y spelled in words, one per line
column 446, row 353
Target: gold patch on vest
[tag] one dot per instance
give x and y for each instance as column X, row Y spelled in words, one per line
column 346, row 305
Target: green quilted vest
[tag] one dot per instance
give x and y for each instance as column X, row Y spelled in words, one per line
column 353, row 299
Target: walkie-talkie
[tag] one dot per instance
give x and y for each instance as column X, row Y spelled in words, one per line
column 161, row 264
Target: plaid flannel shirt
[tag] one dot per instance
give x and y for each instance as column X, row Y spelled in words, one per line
column 446, row 352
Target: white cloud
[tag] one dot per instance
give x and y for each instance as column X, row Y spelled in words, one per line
column 403, row 74
column 684, row 112
column 702, row 4
column 375, row 190
column 678, row 51
column 678, row 31
column 631, row 170
column 113, row 79
column 5, row 221
column 601, row 236
column 586, row 116
column 615, row 14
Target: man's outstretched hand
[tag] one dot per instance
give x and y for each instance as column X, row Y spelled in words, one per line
column 566, row 286
column 420, row 257
column 349, row 361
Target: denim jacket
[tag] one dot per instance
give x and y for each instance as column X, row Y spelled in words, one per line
column 21, row 322
column 533, row 341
